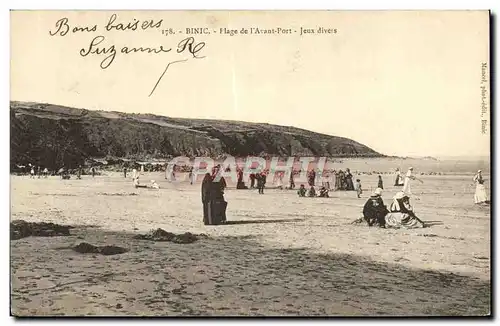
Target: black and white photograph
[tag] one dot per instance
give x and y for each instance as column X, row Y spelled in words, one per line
column 204, row 163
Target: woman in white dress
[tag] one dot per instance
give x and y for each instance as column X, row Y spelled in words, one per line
column 480, row 195
column 407, row 184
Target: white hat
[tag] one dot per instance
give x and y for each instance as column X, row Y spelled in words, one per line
column 478, row 171
column 411, row 168
column 378, row 191
column 399, row 195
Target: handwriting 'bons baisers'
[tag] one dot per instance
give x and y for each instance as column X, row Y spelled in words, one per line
column 99, row 45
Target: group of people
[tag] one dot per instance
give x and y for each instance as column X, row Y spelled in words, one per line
column 399, row 214
column 257, row 179
column 303, row 192
column 37, row 171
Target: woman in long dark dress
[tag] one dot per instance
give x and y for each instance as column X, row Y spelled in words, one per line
column 348, row 180
column 205, row 195
column 380, row 182
column 341, row 180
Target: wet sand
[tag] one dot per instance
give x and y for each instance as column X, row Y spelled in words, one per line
column 282, row 255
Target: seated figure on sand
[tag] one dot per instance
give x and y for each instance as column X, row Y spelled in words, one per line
column 323, row 192
column 401, row 214
column 312, row 192
column 302, row 191
column 374, row 210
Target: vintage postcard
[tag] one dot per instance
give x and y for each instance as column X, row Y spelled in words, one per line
column 250, row 163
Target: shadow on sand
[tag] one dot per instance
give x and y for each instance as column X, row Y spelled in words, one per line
column 240, row 275
column 432, row 223
column 263, row 221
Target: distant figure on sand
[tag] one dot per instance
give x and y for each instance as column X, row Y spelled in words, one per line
column 407, row 185
column 374, row 210
column 45, row 172
column 302, row 191
column 380, row 182
column 125, row 172
column 93, row 171
column 32, row 172
column 359, row 189
column 261, row 182
column 252, row 180
column 480, row 195
column 279, row 180
column 79, row 172
column 312, row 192
column 191, row 176
column 311, row 178
column 398, row 180
column 292, row 182
column 323, row 192
column 348, row 180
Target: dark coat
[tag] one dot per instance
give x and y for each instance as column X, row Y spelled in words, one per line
column 374, row 211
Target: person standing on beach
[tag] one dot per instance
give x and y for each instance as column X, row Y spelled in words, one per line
column 480, row 195
column 191, row 176
column 348, row 179
column 79, row 172
column 261, row 182
column 407, row 185
column 292, row 182
column 359, row 189
column 380, row 182
column 125, row 172
column 397, row 180
column 205, row 196
column 93, row 171
column 252, row 180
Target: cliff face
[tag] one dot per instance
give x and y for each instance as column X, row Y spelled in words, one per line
column 53, row 136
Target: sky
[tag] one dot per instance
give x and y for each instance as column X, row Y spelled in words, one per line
column 403, row 83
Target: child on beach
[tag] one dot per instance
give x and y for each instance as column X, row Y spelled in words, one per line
column 359, row 190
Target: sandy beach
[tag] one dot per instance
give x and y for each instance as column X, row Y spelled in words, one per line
column 281, row 255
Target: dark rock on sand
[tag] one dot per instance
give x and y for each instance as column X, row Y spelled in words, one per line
column 87, row 248
column 162, row 235
column 21, row 229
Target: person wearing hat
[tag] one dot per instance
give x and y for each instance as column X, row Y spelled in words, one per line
column 397, row 180
column 480, row 195
column 402, row 214
column 407, row 184
column 374, row 210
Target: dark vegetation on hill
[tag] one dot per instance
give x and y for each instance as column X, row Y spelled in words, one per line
column 54, row 136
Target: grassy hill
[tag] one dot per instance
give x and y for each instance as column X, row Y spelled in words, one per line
column 54, row 136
